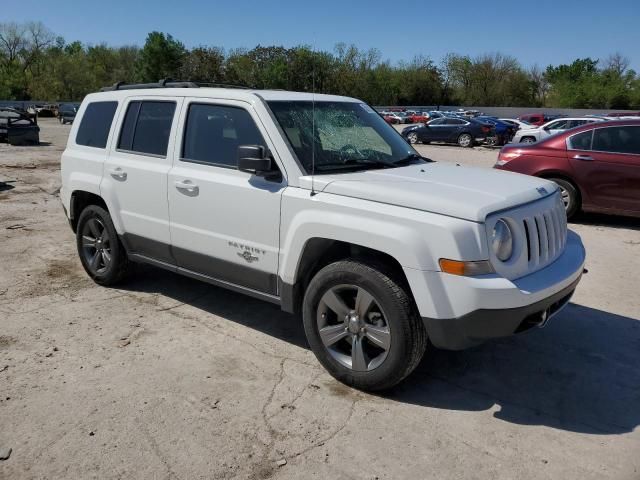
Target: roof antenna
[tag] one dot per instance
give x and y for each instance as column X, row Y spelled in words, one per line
column 313, row 117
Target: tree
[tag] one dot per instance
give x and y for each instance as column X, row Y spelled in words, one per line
column 161, row 57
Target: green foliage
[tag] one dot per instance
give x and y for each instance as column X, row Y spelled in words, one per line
column 161, row 57
column 36, row 64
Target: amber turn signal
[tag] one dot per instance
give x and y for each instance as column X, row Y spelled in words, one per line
column 466, row 269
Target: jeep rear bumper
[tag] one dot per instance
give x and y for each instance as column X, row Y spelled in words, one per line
column 480, row 325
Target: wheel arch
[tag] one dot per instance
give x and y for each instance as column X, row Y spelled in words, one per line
column 319, row 252
column 548, row 174
column 81, row 199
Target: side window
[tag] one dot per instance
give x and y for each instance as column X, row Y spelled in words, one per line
column 581, row 141
column 437, row 121
column 617, row 140
column 213, row 134
column 95, row 124
column 146, row 127
column 454, row 121
column 559, row 125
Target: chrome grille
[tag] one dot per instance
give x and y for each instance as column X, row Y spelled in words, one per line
column 540, row 236
column 546, row 235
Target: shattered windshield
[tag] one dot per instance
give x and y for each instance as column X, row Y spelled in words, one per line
column 341, row 136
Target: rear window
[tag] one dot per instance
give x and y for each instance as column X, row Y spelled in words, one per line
column 581, row 141
column 146, row 127
column 96, row 123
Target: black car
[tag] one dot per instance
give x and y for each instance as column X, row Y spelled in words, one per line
column 466, row 132
column 67, row 113
column 18, row 128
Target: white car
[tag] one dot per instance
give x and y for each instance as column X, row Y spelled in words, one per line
column 531, row 135
column 314, row 203
column 517, row 123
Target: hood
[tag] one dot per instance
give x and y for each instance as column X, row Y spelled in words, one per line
column 462, row 192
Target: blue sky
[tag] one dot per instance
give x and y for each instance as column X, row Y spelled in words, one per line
column 534, row 31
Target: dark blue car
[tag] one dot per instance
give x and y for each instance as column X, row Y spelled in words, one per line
column 504, row 130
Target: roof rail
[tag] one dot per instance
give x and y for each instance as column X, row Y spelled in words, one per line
column 168, row 83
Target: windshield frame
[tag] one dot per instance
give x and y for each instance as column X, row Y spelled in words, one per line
column 366, row 164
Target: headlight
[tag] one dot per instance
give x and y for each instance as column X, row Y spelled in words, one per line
column 502, row 240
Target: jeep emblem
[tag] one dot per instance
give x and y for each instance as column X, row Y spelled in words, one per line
column 248, row 256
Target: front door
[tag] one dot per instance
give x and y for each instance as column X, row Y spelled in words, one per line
column 224, row 223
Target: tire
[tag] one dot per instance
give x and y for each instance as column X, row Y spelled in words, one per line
column 398, row 327
column 570, row 196
column 412, row 137
column 465, row 140
column 528, row 140
column 102, row 256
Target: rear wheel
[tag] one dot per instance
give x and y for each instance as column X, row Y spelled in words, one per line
column 528, row 140
column 465, row 140
column 570, row 196
column 101, row 253
column 362, row 326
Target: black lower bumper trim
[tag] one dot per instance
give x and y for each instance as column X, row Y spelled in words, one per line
column 480, row 325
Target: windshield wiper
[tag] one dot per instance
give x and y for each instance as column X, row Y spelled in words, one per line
column 356, row 163
column 410, row 159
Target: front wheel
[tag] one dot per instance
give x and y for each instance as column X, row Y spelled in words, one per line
column 362, row 325
column 412, row 137
column 528, row 140
column 101, row 253
column 570, row 196
column 465, row 140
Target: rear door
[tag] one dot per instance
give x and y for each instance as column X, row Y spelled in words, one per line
column 452, row 128
column 610, row 169
column 135, row 173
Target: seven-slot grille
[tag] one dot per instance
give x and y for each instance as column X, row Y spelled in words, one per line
column 546, row 234
column 539, row 231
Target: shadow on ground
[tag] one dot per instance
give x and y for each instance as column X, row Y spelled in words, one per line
column 4, row 186
column 606, row 220
column 581, row 373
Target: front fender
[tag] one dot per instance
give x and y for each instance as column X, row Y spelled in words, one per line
column 415, row 239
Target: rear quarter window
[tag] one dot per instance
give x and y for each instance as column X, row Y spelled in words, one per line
column 95, row 124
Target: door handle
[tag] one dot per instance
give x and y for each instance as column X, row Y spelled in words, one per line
column 118, row 173
column 586, row 158
column 186, row 185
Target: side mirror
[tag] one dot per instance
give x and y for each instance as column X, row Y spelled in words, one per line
column 254, row 159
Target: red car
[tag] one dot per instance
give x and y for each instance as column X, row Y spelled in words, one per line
column 597, row 166
column 418, row 118
column 536, row 119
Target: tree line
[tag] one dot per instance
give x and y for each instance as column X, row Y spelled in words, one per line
column 37, row 64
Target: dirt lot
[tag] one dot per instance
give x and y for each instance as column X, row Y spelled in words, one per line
column 166, row 377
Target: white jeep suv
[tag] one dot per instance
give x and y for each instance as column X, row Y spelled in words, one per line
column 314, row 203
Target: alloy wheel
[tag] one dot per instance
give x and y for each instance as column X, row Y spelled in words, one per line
column 353, row 328
column 412, row 137
column 566, row 197
column 96, row 245
column 464, row 140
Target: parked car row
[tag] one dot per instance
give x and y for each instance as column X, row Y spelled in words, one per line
column 465, row 132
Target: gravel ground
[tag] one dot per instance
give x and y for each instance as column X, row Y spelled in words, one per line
column 166, row 377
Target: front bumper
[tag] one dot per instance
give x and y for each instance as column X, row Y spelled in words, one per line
column 480, row 325
column 464, row 311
